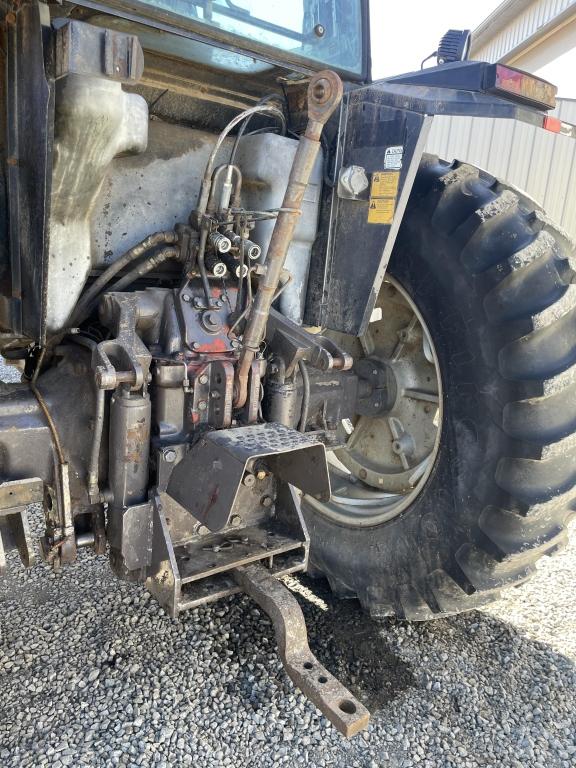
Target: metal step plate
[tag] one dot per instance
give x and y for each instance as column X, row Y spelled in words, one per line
column 216, row 478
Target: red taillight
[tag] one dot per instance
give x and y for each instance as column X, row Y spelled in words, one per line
column 525, row 87
column 552, row 124
column 555, row 125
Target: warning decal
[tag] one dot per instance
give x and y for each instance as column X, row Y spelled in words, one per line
column 381, row 210
column 385, row 184
column 393, row 157
column 383, row 194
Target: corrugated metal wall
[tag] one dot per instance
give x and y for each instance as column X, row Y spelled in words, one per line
column 525, row 23
column 541, row 163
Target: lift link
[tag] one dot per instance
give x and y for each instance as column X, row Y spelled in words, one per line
column 335, row 701
column 324, row 96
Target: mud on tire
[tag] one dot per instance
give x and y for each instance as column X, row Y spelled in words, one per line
column 493, row 281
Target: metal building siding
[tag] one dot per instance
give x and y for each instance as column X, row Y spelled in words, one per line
column 520, row 28
column 541, row 163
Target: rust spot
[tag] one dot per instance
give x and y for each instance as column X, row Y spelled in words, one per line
column 212, row 500
column 136, row 441
column 217, row 345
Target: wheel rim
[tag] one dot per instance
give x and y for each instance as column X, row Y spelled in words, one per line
column 389, row 456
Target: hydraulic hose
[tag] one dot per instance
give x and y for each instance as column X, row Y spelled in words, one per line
column 147, row 265
column 207, row 179
column 158, row 238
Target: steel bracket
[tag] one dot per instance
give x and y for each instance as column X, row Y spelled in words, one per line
column 124, row 358
column 15, row 495
column 335, row 701
column 216, row 478
column 292, row 343
column 192, row 567
column 15, row 534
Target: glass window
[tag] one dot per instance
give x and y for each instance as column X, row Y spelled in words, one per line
column 327, row 31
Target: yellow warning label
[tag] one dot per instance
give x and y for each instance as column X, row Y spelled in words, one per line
column 383, row 193
column 381, row 210
column 385, row 184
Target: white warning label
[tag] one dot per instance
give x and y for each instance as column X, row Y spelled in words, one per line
column 393, row 158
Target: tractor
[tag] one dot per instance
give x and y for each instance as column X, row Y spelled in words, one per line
column 259, row 331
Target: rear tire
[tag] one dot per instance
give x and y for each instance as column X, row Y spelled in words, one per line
column 492, row 279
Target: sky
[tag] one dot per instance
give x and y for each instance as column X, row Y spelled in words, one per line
column 404, row 33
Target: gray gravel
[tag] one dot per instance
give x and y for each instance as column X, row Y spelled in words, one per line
column 92, row 672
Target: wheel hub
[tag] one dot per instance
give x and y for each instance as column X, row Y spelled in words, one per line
column 391, row 444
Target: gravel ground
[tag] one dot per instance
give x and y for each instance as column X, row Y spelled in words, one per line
column 93, row 673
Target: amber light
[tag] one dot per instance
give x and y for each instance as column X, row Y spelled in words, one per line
column 526, row 86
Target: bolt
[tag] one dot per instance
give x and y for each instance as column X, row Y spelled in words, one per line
column 236, row 521
column 266, row 501
column 203, row 379
column 201, row 530
column 104, row 378
column 363, row 474
column 196, row 346
column 235, row 344
column 426, row 409
column 198, row 302
column 202, row 405
column 218, row 302
column 215, row 395
column 186, row 298
column 261, row 474
column 169, row 455
column 319, row 30
column 10, row 18
column 249, row 480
